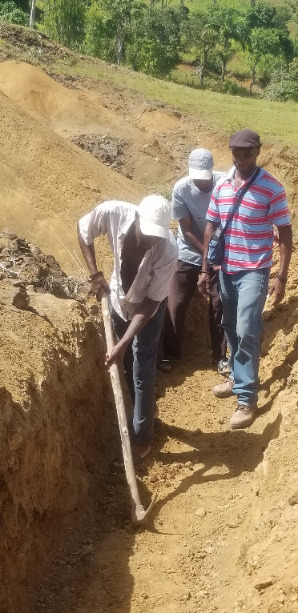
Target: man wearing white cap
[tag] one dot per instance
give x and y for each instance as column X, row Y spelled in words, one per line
column 145, row 256
column 190, row 201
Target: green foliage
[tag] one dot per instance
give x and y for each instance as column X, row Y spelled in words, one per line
column 155, row 41
column 201, row 36
column 64, row 21
column 99, row 40
column 9, row 11
column 24, row 5
column 283, row 84
column 121, row 15
column 224, row 40
column 230, row 26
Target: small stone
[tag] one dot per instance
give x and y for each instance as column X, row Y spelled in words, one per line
column 35, row 250
column 262, row 585
column 20, row 299
column 209, row 549
column 201, row 512
column 9, row 234
column 293, row 499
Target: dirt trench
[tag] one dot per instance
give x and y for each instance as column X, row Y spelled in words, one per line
column 53, row 422
column 222, row 535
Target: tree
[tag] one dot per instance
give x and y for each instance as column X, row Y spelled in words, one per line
column 121, row 14
column 293, row 6
column 23, row 5
column 266, row 16
column 65, row 21
column 264, row 42
column 202, row 36
column 32, row 13
column 230, row 26
column 9, row 11
column 99, row 39
column 155, row 41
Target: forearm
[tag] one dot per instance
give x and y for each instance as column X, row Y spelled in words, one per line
column 88, row 252
column 285, row 237
column 194, row 242
column 209, row 231
column 144, row 312
column 278, row 285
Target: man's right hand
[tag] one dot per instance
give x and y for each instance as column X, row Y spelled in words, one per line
column 204, row 284
column 99, row 285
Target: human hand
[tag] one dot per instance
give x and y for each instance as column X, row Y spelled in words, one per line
column 277, row 290
column 204, row 284
column 99, row 285
column 116, row 356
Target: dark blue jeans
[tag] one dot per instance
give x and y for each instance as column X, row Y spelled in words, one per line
column 140, row 368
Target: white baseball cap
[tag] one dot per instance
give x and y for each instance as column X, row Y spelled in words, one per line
column 155, row 216
column 200, row 164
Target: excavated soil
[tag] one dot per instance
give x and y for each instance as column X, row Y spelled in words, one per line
column 222, row 535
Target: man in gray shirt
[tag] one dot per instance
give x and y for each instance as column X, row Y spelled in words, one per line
column 190, row 200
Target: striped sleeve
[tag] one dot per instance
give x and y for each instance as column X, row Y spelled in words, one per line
column 213, row 210
column 279, row 212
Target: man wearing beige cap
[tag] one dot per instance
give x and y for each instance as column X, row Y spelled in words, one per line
column 145, row 256
column 247, row 204
column 190, row 200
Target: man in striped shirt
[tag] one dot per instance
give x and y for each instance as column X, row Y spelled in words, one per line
column 246, row 265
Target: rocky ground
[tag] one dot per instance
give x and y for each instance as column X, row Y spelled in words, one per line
column 222, row 535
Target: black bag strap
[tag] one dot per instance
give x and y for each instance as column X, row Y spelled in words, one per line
column 241, row 195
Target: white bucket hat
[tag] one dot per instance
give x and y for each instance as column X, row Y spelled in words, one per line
column 155, row 216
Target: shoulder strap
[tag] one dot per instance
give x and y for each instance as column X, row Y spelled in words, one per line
column 241, row 195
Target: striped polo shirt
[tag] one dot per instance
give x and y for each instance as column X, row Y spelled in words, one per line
column 249, row 236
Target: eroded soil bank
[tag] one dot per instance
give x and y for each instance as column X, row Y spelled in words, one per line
column 222, row 535
column 53, row 402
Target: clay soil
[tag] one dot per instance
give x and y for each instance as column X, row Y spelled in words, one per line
column 222, row 536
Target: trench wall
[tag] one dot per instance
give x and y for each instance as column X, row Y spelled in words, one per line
column 52, row 426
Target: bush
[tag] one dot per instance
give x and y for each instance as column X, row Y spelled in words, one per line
column 283, row 85
column 10, row 12
column 230, row 87
column 288, row 90
column 99, row 41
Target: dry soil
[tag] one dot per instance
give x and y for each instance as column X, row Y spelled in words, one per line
column 222, row 536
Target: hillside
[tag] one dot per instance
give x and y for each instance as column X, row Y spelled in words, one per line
column 222, row 535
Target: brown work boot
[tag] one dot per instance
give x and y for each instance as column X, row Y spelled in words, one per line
column 244, row 416
column 224, row 390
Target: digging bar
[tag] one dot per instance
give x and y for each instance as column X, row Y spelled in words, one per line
column 138, row 513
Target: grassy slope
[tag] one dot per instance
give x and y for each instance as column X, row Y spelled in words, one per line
column 277, row 122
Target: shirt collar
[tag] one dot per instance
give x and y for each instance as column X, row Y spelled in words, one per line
column 231, row 175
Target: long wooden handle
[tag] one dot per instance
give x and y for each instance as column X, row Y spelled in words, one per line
column 138, row 512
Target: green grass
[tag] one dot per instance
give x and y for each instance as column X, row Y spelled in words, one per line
column 276, row 122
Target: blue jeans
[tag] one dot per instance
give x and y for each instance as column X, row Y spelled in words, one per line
column 140, row 368
column 243, row 296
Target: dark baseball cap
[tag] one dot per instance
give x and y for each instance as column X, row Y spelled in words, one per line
column 244, row 139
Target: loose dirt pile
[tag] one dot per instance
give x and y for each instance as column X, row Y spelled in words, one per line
column 223, row 533
column 109, row 150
